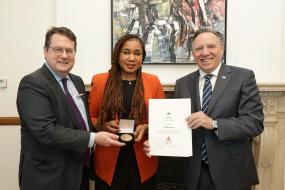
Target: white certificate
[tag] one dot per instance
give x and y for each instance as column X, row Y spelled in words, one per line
column 169, row 134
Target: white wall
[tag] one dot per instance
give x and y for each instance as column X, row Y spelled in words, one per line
column 282, row 68
column 91, row 21
column 255, row 39
column 256, row 36
column 22, row 30
column 23, row 27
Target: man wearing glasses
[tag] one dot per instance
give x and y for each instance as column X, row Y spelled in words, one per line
column 56, row 132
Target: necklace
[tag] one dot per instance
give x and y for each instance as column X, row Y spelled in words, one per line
column 130, row 82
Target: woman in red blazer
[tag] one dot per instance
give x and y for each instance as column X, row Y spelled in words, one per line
column 123, row 93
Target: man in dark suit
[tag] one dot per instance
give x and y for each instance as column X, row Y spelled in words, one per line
column 226, row 114
column 56, row 132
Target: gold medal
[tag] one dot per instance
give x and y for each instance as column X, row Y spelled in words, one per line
column 126, row 137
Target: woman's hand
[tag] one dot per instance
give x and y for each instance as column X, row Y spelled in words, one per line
column 140, row 131
column 146, row 148
column 111, row 126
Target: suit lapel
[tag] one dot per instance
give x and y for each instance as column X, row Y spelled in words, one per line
column 82, row 93
column 81, row 90
column 58, row 90
column 224, row 77
column 54, row 84
column 195, row 94
column 196, row 103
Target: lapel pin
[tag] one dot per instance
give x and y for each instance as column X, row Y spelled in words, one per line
column 224, row 77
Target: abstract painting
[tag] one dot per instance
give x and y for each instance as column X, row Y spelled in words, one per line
column 167, row 26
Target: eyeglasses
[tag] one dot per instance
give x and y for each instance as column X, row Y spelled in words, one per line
column 59, row 51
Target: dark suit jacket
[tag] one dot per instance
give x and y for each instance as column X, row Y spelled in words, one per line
column 237, row 107
column 52, row 144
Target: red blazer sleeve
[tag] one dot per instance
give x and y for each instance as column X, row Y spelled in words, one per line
column 96, row 94
column 152, row 88
column 159, row 94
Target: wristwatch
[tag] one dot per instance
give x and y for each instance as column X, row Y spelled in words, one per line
column 215, row 124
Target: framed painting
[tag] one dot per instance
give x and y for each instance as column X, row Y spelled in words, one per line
column 167, row 26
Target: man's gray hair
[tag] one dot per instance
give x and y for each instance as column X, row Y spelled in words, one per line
column 204, row 30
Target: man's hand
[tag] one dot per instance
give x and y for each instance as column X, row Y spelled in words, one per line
column 199, row 119
column 107, row 139
column 140, row 131
column 111, row 126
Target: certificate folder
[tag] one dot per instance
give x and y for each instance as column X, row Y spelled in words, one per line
column 169, row 134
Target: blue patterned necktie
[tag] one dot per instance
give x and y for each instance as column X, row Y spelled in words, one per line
column 207, row 93
column 77, row 114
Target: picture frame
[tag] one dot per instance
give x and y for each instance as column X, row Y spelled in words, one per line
column 167, row 26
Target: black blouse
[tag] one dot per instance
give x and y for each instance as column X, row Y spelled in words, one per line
column 128, row 92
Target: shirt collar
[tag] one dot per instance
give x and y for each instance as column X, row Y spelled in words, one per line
column 214, row 73
column 56, row 76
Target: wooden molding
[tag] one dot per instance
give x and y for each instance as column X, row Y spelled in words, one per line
column 9, row 121
column 168, row 89
column 270, row 87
